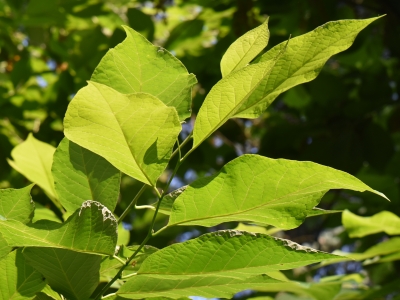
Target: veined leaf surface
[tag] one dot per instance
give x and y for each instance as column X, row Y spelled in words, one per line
column 133, row 132
column 18, row 280
column 17, row 204
column 245, row 49
column 258, row 189
column 33, row 159
column 80, row 175
column 249, row 91
column 74, row 275
column 217, row 264
column 91, row 229
column 136, row 65
column 384, row 221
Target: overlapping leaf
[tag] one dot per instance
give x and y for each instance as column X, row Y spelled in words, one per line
column 17, row 204
column 357, row 226
column 18, row 280
column 257, row 189
column 133, row 132
column 217, row 265
column 136, row 65
column 75, row 275
column 81, row 175
column 245, row 49
column 249, row 91
column 91, row 229
column 33, row 159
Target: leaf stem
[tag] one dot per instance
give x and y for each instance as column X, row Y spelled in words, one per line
column 150, row 233
column 132, row 204
column 188, row 138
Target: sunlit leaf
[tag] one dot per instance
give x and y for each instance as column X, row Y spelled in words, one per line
column 74, row 275
column 133, row 132
column 33, row 159
column 257, row 189
column 249, row 91
column 81, row 175
column 245, row 49
column 217, row 264
column 16, row 204
column 91, row 229
column 384, row 221
column 18, row 280
column 136, row 65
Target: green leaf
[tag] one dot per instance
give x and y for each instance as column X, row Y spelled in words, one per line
column 44, row 213
column 74, row 275
column 17, row 204
column 91, row 229
column 4, row 247
column 47, row 294
column 217, row 264
column 384, row 221
column 253, row 188
column 124, row 235
column 245, row 49
column 33, row 159
column 81, row 175
column 249, row 91
column 18, row 280
column 133, row 132
column 136, row 65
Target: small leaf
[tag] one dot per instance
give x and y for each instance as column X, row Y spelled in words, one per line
column 17, row 204
column 249, row 91
column 74, row 275
column 44, row 213
column 136, row 65
column 245, row 49
column 133, row 132
column 18, row 280
column 258, row 189
column 47, row 294
column 384, row 221
column 81, row 175
column 217, row 264
column 91, row 229
column 33, row 159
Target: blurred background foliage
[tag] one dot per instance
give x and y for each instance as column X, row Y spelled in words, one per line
column 348, row 118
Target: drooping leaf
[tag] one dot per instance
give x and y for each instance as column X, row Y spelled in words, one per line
column 254, row 188
column 384, row 221
column 245, row 49
column 136, row 65
column 74, row 275
column 91, row 229
column 133, row 132
column 81, row 175
column 249, row 91
column 18, row 280
column 33, row 159
column 17, row 204
column 216, row 265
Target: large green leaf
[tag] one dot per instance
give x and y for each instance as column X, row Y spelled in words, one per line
column 133, row 132
column 81, row 175
column 18, row 280
column 357, row 226
column 74, row 275
column 91, row 229
column 17, row 204
column 136, row 65
column 245, row 49
column 249, row 91
column 258, row 189
column 217, row 264
column 33, row 159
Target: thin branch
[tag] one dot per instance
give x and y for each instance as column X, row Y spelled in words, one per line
column 132, row 204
